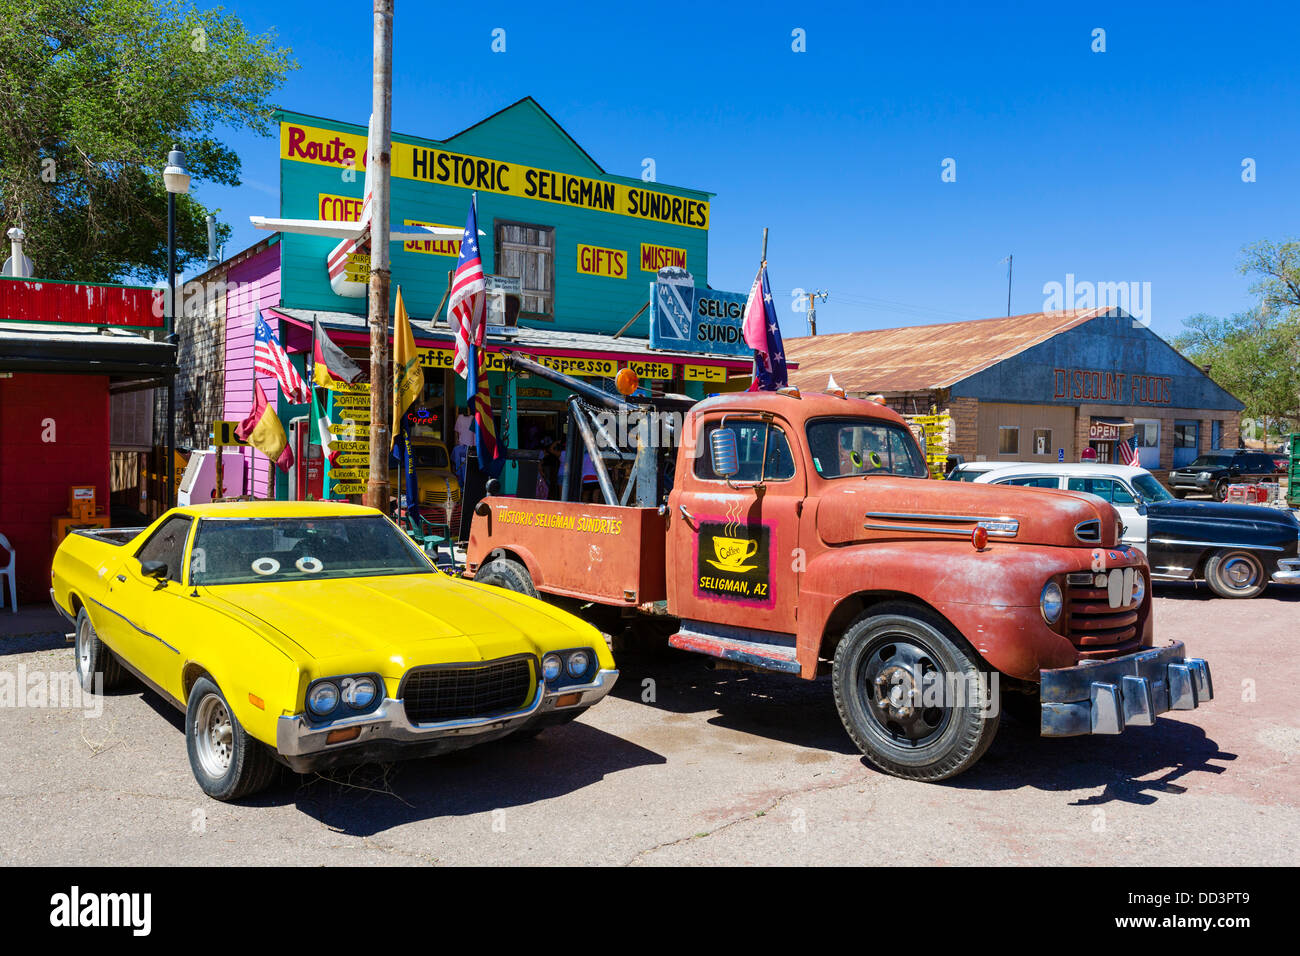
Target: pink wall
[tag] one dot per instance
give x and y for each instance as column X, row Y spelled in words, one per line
column 252, row 286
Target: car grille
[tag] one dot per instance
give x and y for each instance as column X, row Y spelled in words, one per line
column 1089, row 532
column 1097, row 629
column 436, row 694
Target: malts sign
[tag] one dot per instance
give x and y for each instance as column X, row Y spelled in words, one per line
column 325, row 147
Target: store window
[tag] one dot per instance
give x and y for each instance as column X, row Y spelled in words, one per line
column 527, row 252
column 1042, row 441
column 1008, row 440
column 1216, row 434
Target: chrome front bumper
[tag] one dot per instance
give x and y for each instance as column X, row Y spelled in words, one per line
column 1288, row 571
column 1129, row 691
column 388, row 734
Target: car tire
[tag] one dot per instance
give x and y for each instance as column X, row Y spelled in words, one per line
column 1220, row 492
column 1233, row 573
column 1178, row 493
column 881, row 649
column 506, row 573
column 92, row 656
column 227, row 761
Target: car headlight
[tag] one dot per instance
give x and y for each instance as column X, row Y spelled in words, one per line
column 1051, row 602
column 322, row 698
column 1203, row 475
column 551, row 666
column 359, row 692
column 1139, row 587
column 578, row 663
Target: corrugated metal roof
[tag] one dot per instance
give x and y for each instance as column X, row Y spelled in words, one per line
column 923, row 357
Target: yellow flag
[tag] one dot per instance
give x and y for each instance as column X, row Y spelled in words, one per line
column 408, row 376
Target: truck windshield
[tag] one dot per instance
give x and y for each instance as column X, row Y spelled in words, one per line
column 842, row 447
column 254, row 550
column 1149, row 490
column 1211, row 461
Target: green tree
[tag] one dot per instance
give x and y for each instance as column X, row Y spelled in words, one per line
column 1255, row 354
column 93, row 94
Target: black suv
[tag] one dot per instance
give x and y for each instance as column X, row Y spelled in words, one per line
column 1212, row 472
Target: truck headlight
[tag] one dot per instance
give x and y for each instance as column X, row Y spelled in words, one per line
column 359, row 692
column 1139, row 587
column 322, row 698
column 551, row 666
column 1051, row 602
column 578, row 663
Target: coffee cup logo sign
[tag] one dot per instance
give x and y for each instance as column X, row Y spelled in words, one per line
column 733, row 563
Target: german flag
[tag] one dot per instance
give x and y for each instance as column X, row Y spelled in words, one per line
column 329, row 362
column 262, row 430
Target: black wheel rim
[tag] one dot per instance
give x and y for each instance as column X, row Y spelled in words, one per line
column 899, row 681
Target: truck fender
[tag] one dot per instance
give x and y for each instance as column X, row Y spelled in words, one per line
column 968, row 590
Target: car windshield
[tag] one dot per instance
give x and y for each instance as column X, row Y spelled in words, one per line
column 429, row 456
column 253, row 550
column 1149, row 490
column 842, row 447
column 1211, row 461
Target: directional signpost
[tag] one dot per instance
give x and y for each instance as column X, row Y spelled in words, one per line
column 350, row 424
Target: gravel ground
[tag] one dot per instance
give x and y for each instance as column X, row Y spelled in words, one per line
column 722, row 767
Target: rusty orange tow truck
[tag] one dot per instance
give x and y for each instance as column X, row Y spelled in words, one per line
column 801, row 534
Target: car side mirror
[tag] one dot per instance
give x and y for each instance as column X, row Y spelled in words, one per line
column 723, row 454
column 154, row 569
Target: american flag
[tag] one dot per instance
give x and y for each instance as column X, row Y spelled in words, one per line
column 1128, row 453
column 763, row 335
column 467, row 305
column 270, row 358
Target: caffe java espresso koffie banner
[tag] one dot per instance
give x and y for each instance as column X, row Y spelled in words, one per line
column 326, row 147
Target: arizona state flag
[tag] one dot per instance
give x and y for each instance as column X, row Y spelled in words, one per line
column 262, row 430
column 408, row 377
column 330, row 363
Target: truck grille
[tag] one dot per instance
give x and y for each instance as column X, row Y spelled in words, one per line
column 1097, row 629
column 436, row 694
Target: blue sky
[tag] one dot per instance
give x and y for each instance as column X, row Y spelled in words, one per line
column 1122, row 166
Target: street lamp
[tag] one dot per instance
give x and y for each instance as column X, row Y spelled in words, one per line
column 177, row 179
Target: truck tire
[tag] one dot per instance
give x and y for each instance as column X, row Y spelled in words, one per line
column 1233, row 573
column 506, row 573
column 92, row 656
column 1220, row 492
column 1178, row 493
column 227, row 761
column 875, row 672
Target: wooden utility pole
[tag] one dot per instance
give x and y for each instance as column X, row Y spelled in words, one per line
column 812, row 308
column 380, row 153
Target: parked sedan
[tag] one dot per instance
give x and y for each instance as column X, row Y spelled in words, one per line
column 1235, row 549
column 316, row 634
column 1214, row 471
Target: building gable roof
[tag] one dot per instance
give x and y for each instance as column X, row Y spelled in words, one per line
column 496, row 137
column 923, row 357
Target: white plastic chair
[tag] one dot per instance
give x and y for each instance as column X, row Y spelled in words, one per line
column 8, row 572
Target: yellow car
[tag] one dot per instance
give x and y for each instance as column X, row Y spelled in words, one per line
column 316, row 634
column 439, row 487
